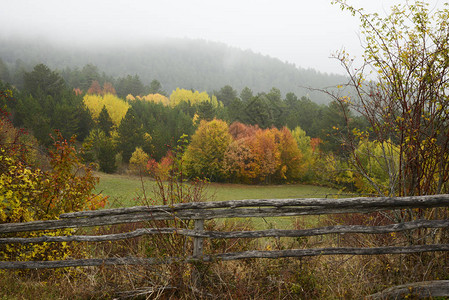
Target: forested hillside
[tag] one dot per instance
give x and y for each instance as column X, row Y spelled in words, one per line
column 126, row 125
column 184, row 63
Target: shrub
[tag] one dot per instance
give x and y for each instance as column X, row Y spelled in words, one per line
column 28, row 193
column 138, row 161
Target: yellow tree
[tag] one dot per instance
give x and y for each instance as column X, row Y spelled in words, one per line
column 156, row 98
column 182, row 95
column 116, row 107
column 308, row 152
column 138, row 161
column 292, row 160
column 205, row 155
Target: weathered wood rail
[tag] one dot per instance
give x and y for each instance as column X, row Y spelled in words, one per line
column 201, row 211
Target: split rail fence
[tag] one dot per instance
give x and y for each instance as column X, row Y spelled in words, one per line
column 257, row 208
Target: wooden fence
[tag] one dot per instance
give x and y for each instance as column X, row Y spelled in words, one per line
column 201, row 211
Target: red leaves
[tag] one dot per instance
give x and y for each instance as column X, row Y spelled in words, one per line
column 69, row 184
column 108, row 88
column 239, row 130
column 95, row 88
column 77, row 91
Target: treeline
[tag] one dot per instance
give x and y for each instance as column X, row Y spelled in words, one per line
column 81, row 79
column 116, row 118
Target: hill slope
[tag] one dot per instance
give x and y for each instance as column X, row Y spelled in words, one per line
column 184, row 63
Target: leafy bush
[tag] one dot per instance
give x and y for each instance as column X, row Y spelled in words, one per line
column 138, row 161
column 28, row 193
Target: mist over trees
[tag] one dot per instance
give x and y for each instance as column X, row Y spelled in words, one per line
column 183, row 63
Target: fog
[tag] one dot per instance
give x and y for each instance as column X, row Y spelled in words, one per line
column 305, row 33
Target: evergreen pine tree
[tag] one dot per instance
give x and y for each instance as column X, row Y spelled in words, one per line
column 104, row 121
column 106, row 157
column 130, row 134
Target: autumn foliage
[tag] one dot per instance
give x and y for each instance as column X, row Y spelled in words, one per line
column 138, row 161
column 95, row 88
column 156, row 98
column 243, row 153
column 205, row 154
column 193, row 97
column 162, row 169
column 115, row 106
column 29, row 192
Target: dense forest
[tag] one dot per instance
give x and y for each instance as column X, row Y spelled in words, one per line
column 125, row 124
column 190, row 64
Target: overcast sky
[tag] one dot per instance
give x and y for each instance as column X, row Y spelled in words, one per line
column 302, row 32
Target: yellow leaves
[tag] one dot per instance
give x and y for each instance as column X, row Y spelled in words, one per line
column 360, row 135
column 17, row 185
column 182, row 95
column 28, row 194
column 204, row 156
column 9, row 194
column 283, row 172
column 130, row 97
column 138, row 161
column 156, row 98
column 345, row 99
column 195, row 119
column 147, row 137
column 115, row 106
column 400, row 119
column 428, row 142
column 377, row 161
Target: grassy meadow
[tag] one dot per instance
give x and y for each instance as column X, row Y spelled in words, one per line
column 127, row 190
column 124, row 190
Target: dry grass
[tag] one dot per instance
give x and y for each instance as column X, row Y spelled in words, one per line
column 325, row 277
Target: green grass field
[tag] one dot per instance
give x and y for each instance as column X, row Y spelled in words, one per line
column 124, row 190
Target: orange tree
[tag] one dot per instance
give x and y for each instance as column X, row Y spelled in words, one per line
column 262, row 155
column 266, row 156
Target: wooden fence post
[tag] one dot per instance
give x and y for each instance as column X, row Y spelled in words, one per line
column 198, row 241
column 197, row 253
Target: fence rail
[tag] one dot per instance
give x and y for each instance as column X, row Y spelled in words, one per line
column 229, row 209
column 201, row 211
